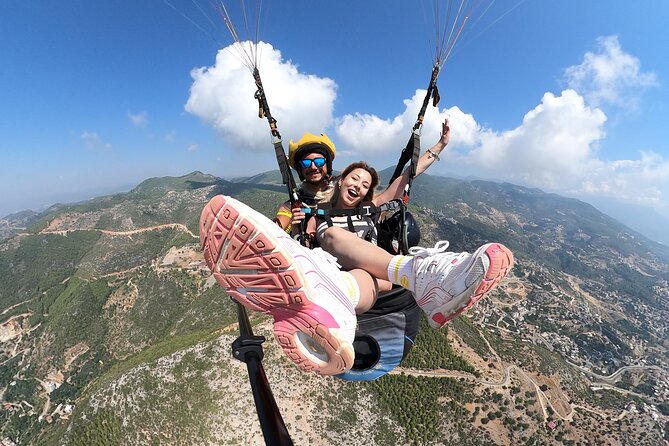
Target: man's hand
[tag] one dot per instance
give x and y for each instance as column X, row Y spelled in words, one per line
column 298, row 217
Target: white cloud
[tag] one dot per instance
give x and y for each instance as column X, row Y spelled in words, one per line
column 610, row 76
column 551, row 148
column 140, row 119
column 223, row 96
column 192, row 148
column 369, row 134
column 555, row 147
column 643, row 181
column 93, row 142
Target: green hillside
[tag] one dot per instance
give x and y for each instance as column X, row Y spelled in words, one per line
column 113, row 331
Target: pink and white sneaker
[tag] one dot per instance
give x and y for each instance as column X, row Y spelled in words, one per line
column 265, row 270
column 448, row 283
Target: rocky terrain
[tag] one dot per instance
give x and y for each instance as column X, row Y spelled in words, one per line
column 113, row 332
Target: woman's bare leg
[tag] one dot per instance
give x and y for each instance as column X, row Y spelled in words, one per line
column 369, row 290
column 353, row 252
column 473, row 275
column 384, row 285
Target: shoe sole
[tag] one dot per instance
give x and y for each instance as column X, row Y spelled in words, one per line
column 500, row 263
column 257, row 272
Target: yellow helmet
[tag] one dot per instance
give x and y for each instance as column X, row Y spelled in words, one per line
column 310, row 143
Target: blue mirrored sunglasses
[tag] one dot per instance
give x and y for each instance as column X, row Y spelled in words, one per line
column 318, row 162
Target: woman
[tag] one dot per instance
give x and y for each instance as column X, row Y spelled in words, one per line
column 356, row 186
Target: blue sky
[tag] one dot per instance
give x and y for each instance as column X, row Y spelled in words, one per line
column 568, row 96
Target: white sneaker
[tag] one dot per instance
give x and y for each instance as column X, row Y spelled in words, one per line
column 448, row 283
column 265, row 270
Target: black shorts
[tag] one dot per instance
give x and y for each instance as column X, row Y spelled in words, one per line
column 384, row 336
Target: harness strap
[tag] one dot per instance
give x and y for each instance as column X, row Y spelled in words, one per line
column 366, row 209
column 286, row 174
column 412, row 152
column 349, row 223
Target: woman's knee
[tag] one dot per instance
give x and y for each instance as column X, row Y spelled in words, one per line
column 332, row 236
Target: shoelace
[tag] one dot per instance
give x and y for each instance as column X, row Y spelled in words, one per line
column 438, row 268
column 439, row 247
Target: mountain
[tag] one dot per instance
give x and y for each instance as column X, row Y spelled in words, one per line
column 643, row 219
column 112, row 330
column 12, row 223
column 270, row 177
column 42, row 201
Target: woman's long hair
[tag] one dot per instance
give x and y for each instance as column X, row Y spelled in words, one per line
column 350, row 168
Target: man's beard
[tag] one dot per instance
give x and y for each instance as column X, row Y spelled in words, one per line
column 314, row 181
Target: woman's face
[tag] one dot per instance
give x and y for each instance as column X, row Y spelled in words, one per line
column 353, row 188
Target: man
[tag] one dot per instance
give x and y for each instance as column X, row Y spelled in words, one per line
column 311, row 157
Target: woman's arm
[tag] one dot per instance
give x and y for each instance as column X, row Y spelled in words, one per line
column 397, row 187
column 433, row 152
